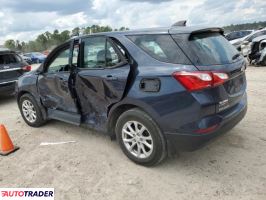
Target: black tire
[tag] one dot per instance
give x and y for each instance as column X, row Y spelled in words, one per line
column 39, row 118
column 159, row 145
column 263, row 62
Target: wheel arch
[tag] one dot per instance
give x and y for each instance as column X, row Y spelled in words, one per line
column 116, row 110
column 23, row 92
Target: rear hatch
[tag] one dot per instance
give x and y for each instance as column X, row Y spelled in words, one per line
column 208, row 50
column 10, row 68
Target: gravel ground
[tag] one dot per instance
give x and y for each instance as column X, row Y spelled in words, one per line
column 231, row 167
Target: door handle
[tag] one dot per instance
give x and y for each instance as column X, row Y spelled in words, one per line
column 111, row 78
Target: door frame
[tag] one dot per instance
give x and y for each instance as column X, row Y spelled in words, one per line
column 52, row 56
column 107, row 39
column 101, row 125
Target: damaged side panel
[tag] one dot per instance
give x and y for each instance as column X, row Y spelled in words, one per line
column 262, row 60
column 97, row 90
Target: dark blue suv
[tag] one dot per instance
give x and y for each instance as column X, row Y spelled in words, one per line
column 155, row 91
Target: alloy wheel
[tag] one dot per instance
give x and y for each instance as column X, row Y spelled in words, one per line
column 137, row 139
column 29, row 111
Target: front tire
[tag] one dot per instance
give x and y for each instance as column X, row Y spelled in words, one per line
column 140, row 138
column 30, row 111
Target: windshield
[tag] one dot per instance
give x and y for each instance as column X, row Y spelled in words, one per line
column 207, row 48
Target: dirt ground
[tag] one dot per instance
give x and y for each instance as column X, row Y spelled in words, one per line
column 231, row 167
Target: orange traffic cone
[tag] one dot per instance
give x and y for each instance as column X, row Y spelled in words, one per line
column 6, row 145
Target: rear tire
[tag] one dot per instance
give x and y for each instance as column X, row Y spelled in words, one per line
column 140, row 138
column 263, row 63
column 30, row 111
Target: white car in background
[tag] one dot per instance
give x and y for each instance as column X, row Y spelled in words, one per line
column 237, row 34
column 243, row 44
column 25, row 58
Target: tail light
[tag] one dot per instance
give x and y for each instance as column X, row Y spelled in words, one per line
column 198, row 80
column 26, row 68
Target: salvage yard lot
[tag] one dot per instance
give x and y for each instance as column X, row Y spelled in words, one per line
column 231, row 167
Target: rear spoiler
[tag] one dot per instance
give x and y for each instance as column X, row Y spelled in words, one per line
column 208, row 30
column 192, row 30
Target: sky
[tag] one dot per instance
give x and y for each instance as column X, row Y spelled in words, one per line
column 25, row 19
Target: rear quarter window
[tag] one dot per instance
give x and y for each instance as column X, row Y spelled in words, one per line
column 160, row 47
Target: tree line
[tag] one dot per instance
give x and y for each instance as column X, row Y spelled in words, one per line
column 48, row 40
column 246, row 26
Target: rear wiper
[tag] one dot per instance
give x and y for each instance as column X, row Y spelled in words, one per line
column 236, row 56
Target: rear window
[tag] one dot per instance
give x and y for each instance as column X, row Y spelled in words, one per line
column 8, row 59
column 160, row 47
column 207, row 48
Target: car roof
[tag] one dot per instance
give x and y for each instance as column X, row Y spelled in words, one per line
column 257, row 39
column 5, row 51
column 172, row 30
column 251, row 34
column 241, row 31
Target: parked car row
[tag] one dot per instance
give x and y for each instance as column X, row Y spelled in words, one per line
column 34, row 57
column 257, row 54
column 12, row 66
column 237, row 34
column 251, row 46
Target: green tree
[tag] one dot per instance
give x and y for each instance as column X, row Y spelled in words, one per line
column 42, row 41
column 10, row 44
column 48, row 40
column 64, row 36
column 75, row 32
column 18, row 45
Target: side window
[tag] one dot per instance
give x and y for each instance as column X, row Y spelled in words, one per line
column 11, row 59
column 2, row 59
column 60, row 63
column 94, row 52
column 160, row 47
column 112, row 57
column 99, row 53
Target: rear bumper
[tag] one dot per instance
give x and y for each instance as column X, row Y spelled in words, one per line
column 7, row 88
column 191, row 142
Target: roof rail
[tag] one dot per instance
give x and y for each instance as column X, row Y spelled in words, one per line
column 180, row 23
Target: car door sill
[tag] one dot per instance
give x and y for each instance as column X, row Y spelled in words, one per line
column 69, row 117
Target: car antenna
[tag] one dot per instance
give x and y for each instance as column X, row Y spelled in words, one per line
column 180, row 23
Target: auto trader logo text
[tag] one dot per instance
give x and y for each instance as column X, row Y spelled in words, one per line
column 26, row 193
